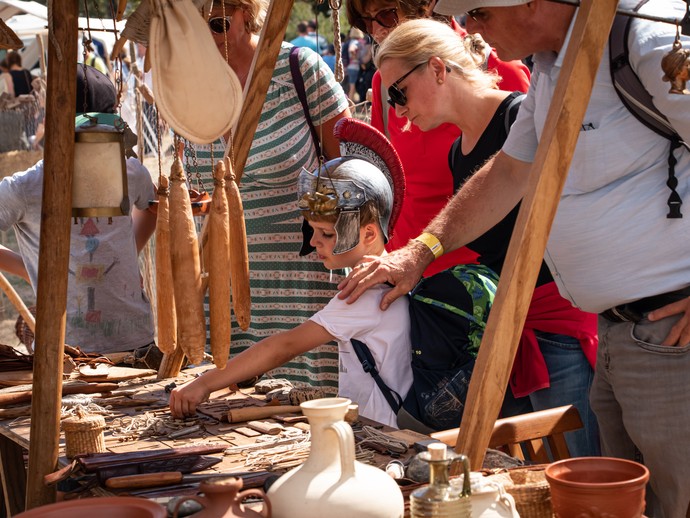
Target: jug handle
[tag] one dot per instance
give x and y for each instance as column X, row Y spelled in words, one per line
column 466, row 486
column 346, row 440
column 265, row 509
column 507, row 502
column 197, row 499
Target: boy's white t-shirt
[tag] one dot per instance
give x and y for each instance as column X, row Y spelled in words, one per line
column 386, row 333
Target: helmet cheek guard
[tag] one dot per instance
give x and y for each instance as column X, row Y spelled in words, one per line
column 346, row 231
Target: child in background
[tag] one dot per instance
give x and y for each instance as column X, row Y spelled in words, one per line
column 349, row 203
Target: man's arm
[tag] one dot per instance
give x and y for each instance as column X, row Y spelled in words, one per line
column 480, row 203
column 12, row 262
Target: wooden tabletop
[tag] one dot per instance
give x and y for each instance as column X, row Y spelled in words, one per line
column 242, row 452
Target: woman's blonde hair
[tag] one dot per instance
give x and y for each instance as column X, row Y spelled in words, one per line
column 255, row 12
column 417, row 41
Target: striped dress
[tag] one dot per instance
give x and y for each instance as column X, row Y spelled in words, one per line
column 286, row 289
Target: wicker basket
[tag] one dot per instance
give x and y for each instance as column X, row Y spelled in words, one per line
column 84, row 434
column 530, row 490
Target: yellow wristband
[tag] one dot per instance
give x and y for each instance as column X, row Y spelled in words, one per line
column 432, row 242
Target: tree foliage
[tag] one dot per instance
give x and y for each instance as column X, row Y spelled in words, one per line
column 315, row 9
column 303, row 10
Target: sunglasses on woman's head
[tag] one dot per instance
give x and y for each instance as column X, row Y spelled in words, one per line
column 387, row 18
column 395, row 94
column 219, row 24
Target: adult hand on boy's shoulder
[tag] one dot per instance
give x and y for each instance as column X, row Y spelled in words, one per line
column 402, row 268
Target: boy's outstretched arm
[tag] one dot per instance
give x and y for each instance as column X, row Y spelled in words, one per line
column 12, row 262
column 265, row 355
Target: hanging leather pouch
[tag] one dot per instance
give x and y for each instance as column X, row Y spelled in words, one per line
column 196, row 91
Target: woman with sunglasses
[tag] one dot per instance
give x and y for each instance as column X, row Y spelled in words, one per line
column 428, row 179
column 433, row 77
column 286, row 289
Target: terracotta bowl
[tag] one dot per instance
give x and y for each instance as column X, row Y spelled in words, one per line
column 597, row 486
column 106, row 507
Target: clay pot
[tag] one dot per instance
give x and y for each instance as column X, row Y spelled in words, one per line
column 597, row 486
column 223, row 499
column 106, row 507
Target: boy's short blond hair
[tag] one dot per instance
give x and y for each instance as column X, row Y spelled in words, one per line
column 368, row 213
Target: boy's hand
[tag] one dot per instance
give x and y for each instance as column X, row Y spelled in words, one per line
column 184, row 399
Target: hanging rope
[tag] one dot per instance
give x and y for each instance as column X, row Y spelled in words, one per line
column 51, row 32
column 337, row 44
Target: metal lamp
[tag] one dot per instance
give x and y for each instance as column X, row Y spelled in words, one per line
column 99, row 185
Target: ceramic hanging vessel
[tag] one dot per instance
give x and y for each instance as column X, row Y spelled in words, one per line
column 223, row 499
column 331, row 483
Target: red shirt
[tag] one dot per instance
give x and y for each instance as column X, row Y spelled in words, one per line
column 424, row 155
column 550, row 313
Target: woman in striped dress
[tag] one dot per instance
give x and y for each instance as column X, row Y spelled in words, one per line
column 285, row 288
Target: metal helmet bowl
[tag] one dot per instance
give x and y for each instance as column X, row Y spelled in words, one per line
column 340, row 187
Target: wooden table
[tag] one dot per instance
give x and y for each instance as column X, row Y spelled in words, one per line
column 14, row 436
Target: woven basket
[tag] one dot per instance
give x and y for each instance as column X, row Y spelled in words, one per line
column 84, row 434
column 530, row 490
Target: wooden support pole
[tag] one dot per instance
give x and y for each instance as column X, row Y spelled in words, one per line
column 259, row 78
column 53, row 258
column 255, row 90
column 526, row 250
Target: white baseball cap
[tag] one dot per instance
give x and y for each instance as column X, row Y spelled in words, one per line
column 458, row 7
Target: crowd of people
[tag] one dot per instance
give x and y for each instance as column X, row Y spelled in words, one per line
column 608, row 326
column 23, row 95
column 356, row 55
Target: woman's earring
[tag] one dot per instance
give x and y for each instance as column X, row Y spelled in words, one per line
column 676, row 66
column 439, row 80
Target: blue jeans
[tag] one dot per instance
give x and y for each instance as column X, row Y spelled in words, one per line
column 570, row 376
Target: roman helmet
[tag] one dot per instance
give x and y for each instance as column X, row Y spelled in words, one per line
column 368, row 169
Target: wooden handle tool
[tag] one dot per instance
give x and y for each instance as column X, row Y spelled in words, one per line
column 12, row 398
column 266, row 427
column 166, row 478
column 238, row 415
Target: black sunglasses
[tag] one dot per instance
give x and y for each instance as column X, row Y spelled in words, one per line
column 219, row 24
column 387, row 18
column 395, row 94
column 478, row 15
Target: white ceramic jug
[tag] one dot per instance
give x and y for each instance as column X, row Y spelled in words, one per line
column 489, row 498
column 331, row 483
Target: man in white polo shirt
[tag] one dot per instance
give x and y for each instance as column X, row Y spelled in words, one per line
column 612, row 249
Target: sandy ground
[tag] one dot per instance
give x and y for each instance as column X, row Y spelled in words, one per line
column 10, row 163
column 7, row 334
column 14, row 161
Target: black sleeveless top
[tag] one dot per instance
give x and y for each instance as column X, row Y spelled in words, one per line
column 491, row 246
column 21, row 79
